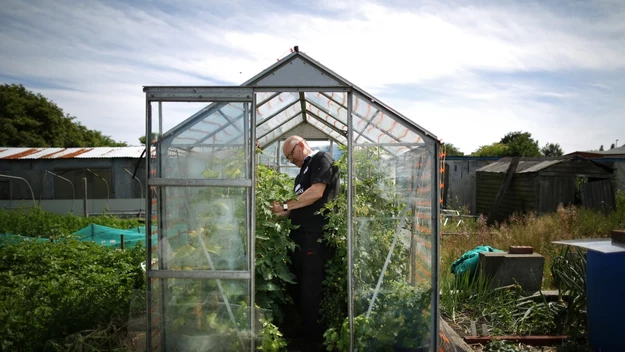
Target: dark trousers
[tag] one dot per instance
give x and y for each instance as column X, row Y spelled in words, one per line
column 308, row 264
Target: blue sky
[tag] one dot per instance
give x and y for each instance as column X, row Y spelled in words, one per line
column 467, row 71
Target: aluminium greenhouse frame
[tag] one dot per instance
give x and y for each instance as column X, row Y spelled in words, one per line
column 283, row 77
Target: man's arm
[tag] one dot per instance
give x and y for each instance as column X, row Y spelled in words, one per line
column 311, row 195
column 308, row 197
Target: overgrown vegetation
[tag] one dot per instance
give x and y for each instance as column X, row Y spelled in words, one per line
column 530, row 230
column 35, row 222
column 51, row 290
column 509, row 310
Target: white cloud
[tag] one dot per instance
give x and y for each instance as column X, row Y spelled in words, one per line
column 104, row 52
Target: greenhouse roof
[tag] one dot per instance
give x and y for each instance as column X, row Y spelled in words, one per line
column 307, row 97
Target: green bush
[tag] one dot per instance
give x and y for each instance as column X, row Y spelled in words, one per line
column 51, row 290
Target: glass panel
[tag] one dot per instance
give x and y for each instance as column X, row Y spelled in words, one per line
column 327, row 130
column 392, row 249
column 279, row 131
column 218, row 123
column 269, row 155
column 268, row 108
column 201, row 315
column 380, row 126
column 203, row 228
column 213, row 147
column 276, row 121
column 206, row 162
column 333, row 104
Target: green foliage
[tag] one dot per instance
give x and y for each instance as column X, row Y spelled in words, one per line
column 51, row 290
column 551, row 149
column 501, row 346
column 270, row 339
column 451, row 150
column 569, row 274
column 31, row 120
column 495, row 149
column 272, row 242
column 400, row 319
column 514, row 144
column 400, row 314
column 521, row 144
column 35, row 222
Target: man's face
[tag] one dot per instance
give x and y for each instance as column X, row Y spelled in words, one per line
column 293, row 153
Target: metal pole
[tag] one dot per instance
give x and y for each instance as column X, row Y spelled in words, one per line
column 140, row 188
column 107, row 189
column 436, row 210
column 148, row 228
column 160, row 121
column 84, row 203
column 32, row 194
column 350, row 242
column 70, row 182
column 252, row 192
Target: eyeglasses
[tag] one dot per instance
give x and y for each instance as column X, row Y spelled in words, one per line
column 288, row 156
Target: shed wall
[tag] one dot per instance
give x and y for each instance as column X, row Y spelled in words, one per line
column 520, row 196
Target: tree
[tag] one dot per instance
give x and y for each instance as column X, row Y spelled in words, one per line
column 451, row 150
column 601, row 148
column 31, row 120
column 612, row 146
column 521, row 144
column 551, row 149
column 495, row 149
column 155, row 136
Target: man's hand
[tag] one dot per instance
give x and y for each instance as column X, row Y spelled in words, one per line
column 276, row 208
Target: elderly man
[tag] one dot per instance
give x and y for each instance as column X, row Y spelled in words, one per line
column 316, row 183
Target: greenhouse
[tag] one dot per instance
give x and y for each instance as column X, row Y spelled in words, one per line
column 217, row 251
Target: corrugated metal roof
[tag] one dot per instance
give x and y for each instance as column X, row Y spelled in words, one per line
column 70, row 153
column 535, row 164
column 523, row 167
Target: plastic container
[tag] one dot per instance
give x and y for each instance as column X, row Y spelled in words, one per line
column 605, row 291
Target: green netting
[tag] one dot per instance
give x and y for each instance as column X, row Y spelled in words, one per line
column 108, row 236
column 111, row 237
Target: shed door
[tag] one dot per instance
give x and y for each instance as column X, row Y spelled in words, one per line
column 598, row 195
column 553, row 191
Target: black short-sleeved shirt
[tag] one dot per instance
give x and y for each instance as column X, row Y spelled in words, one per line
column 317, row 168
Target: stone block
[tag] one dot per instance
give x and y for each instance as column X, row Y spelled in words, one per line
column 504, row 269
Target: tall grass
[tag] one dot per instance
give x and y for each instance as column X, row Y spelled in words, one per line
column 530, row 230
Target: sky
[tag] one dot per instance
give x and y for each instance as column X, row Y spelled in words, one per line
column 467, row 71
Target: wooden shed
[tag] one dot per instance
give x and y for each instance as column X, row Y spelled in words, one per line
column 512, row 185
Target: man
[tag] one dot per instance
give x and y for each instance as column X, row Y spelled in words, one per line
column 316, row 183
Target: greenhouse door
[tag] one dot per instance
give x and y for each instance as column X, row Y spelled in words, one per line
column 200, row 223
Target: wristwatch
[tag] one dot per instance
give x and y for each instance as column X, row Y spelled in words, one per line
column 285, row 206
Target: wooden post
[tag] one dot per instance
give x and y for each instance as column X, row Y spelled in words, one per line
column 122, row 238
column 502, row 190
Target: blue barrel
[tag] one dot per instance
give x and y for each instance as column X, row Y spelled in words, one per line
column 605, row 290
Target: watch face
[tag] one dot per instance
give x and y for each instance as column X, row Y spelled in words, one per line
column 285, row 206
